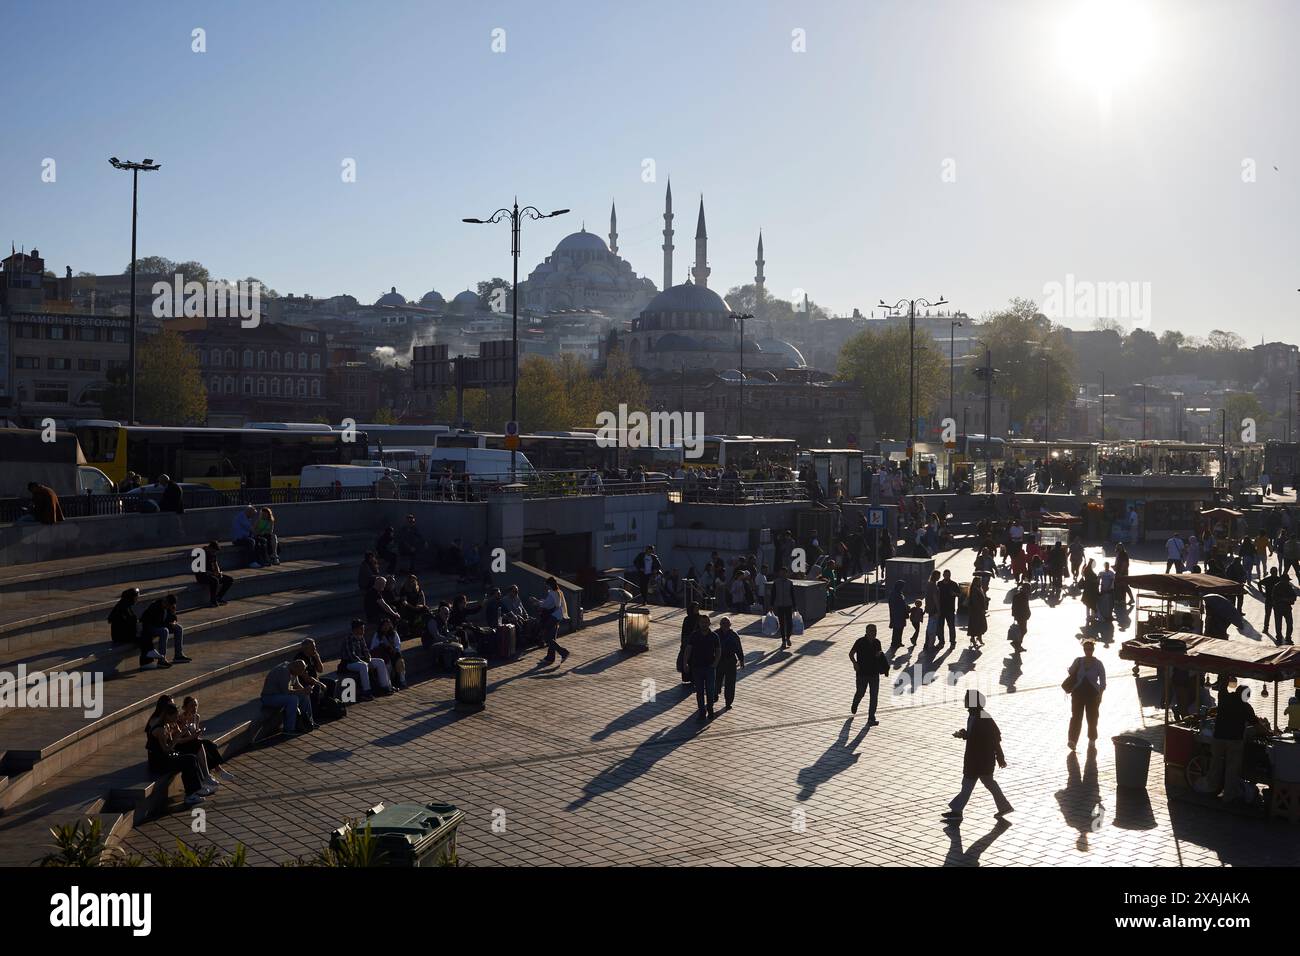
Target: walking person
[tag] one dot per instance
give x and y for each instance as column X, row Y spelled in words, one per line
column 733, row 657
column 1086, row 683
column 1106, row 594
column 933, row 621
column 869, row 663
column 897, row 615
column 1076, row 559
column 703, row 652
column 1266, row 583
column 977, row 606
column 783, row 603
column 949, row 591
column 1174, row 548
column 1020, row 613
column 1283, row 599
column 1091, row 593
column 983, row 749
column 1123, row 593
column 552, row 609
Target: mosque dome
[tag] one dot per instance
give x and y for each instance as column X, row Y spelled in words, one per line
column 778, row 346
column 582, row 241
column 466, row 301
column 432, row 300
column 688, row 297
column 391, row 297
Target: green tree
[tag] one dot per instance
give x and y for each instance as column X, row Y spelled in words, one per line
column 620, row 383
column 1241, row 406
column 1033, row 359
column 876, row 360
column 161, row 265
column 169, row 390
column 488, row 287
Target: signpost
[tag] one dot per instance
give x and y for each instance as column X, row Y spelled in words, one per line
column 512, row 436
column 876, row 522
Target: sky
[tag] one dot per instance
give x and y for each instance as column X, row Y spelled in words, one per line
column 975, row 149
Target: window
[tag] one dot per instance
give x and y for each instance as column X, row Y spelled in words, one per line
column 26, row 331
column 248, row 358
column 51, row 392
column 315, row 388
column 230, row 385
column 261, row 359
column 275, row 386
column 28, row 361
column 230, row 359
column 214, row 385
column 58, row 332
column 117, row 364
column 216, row 358
column 288, row 360
column 261, row 386
column 275, row 360
column 302, row 388
column 88, row 365
column 248, row 385
column 59, row 364
column 86, row 334
column 302, row 360
column 119, row 335
column 315, row 361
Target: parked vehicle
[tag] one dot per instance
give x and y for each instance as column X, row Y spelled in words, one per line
column 347, row 476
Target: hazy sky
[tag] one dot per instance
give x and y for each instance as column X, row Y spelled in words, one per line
column 979, row 149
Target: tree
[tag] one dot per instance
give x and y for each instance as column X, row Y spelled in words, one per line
column 161, row 265
column 487, row 290
column 877, row 362
column 1034, row 362
column 1244, row 409
column 1222, row 340
column 385, row 416
column 169, row 390
column 620, row 384
column 486, row 409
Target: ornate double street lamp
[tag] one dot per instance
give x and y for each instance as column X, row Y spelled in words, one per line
column 911, row 361
column 516, row 216
column 148, row 166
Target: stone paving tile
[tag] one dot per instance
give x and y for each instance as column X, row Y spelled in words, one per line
column 591, row 763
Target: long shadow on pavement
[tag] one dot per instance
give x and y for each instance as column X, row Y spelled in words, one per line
column 838, row 757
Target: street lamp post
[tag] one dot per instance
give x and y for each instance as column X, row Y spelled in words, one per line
column 911, row 363
column 740, row 422
column 516, row 216
column 1047, row 398
column 1103, row 406
column 1223, row 449
column 147, row 166
column 1144, row 411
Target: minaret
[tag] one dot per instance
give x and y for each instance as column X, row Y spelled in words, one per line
column 668, row 236
column 701, row 270
column 613, row 229
column 758, row 264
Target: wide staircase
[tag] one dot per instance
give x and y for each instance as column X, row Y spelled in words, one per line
column 58, row 764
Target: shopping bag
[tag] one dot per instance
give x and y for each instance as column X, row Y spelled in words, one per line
column 770, row 625
column 796, row 623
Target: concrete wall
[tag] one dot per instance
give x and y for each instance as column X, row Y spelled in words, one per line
column 631, row 522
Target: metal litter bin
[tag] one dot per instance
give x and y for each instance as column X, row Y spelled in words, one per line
column 1132, row 761
column 634, row 629
column 471, row 683
column 412, row 834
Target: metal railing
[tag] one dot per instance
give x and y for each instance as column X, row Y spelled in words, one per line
column 733, row 491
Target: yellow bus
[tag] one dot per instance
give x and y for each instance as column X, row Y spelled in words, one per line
column 224, row 458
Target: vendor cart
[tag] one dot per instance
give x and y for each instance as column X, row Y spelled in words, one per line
column 1175, row 602
column 1188, row 736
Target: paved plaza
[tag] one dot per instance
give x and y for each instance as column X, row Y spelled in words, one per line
column 600, row 761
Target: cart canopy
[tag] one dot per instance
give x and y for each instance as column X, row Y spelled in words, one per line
column 1058, row 518
column 1185, row 585
column 1214, row 514
column 1213, row 655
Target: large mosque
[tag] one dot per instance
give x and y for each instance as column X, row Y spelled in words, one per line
column 689, row 326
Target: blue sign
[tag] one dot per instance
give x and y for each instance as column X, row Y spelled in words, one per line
column 875, row 517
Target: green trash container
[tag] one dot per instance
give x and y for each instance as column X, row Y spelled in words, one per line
column 412, row 834
column 1132, row 761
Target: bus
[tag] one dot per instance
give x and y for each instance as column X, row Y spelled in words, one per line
column 746, row 452
column 58, row 464
column 630, row 451
column 223, row 458
column 421, row 438
column 560, row 451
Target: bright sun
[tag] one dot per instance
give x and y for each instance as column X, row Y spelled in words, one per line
column 1106, row 44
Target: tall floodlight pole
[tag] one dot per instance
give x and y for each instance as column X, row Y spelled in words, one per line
column 147, row 166
column 1103, row 406
column 911, row 362
column 741, row 317
column 516, row 216
column 1144, row 411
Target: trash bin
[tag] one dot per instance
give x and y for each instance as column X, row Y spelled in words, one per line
column 471, row 683
column 412, row 834
column 1132, row 761
column 634, row 629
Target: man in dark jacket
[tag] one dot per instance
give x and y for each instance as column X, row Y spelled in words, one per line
column 704, row 651
column 1283, row 597
column 173, row 499
column 869, row 662
column 983, row 748
column 897, row 615
column 733, row 656
column 211, row 577
column 159, row 621
column 949, row 591
column 410, row 543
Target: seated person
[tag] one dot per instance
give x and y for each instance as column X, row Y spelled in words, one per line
column 211, row 577
column 377, row 607
column 159, row 621
column 412, row 605
column 355, row 659
column 162, row 733
column 323, row 695
column 193, row 741
column 283, row 689
column 494, row 609
column 671, row 589
column 242, row 536
column 438, row 630
column 386, row 646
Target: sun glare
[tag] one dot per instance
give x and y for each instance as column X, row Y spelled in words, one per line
column 1106, row 45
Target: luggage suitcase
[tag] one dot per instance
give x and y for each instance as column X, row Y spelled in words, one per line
column 502, row 642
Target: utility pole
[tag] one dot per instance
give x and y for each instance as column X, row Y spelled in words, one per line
column 147, row 166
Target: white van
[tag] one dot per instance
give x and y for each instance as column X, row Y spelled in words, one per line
column 347, row 476
column 481, row 464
